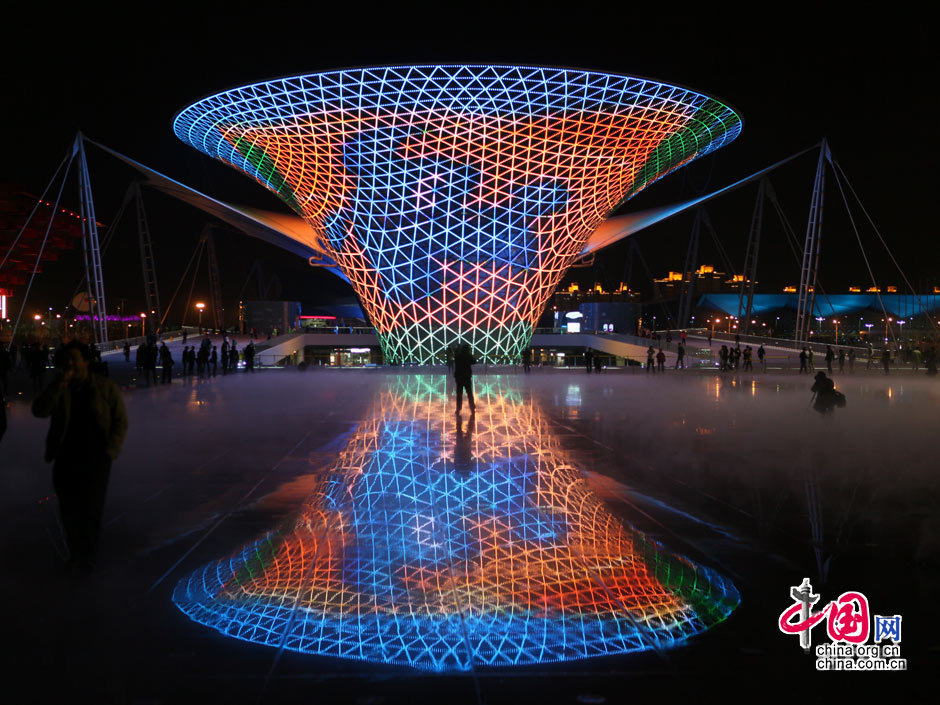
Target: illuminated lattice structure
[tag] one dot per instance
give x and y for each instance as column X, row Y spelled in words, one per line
column 447, row 545
column 455, row 197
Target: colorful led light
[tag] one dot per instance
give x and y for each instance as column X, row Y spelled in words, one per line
column 447, row 545
column 454, row 198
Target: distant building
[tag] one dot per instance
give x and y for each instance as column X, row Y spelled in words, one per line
column 267, row 316
column 706, row 281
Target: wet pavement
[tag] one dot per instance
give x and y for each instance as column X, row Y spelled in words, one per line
column 563, row 483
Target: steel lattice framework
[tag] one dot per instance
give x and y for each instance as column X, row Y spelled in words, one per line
column 455, row 197
column 445, row 546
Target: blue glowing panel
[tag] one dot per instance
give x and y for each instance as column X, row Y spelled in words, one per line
column 445, row 544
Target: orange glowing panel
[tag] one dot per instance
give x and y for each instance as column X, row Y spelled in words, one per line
column 454, row 198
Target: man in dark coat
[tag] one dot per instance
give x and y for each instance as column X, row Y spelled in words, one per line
column 463, row 376
column 85, row 435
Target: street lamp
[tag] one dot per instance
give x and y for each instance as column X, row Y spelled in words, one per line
column 836, row 321
column 143, row 319
column 199, row 307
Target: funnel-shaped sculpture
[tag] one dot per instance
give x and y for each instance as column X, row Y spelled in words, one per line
column 454, row 198
column 445, row 544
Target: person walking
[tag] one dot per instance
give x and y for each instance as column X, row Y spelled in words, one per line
column 811, row 360
column 748, row 367
column 87, row 429
column 661, row 361
column 830, row 356
column 463, row 376
column 916, row 357
column 680, row 355
column 762, row 358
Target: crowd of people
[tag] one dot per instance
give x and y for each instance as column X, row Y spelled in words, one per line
column 202, row 363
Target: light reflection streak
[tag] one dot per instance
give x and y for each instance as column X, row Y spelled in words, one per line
column 445, row 543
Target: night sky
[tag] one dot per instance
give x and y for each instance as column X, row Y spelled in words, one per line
column 868, row 83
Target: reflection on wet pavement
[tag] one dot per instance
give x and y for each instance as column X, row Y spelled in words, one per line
column 447, row 543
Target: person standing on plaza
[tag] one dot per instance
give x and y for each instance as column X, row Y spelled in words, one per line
column 5, row 367
column 811, row 359
column 886, row 359
column 224, row 356
column 830, row 356
column 87, row 429
column 851, row 360
column 233, row 357
column 650, row 359
column 152, row 363
column 463, row 376
column 916, row 357
column 214, row 359
column 680, row 355
column 723, row 355
column 127, row 351
column 748, row 367
column 526, row 359
column 761, row 358
column 588, row 360
column 804, row 357
column 166, row 361
column 250, row 356
column 661, row 361
column 841, row 360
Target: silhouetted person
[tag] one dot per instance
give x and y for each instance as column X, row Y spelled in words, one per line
column 250, row 356
column 85, row 435
column 152, row 363
column 680, row 355
column 761, row 357
column 224, row 357
column 449, row 356
column 826, row 397
column 463, row 376
column 841, row 360
column 747, row 359
column 127, row 351
column 202, row 361
column 214, row 359
column 661, row 361
column 588, row 361
column 930, row 360
column 650, row 359
column 804, row 357
column 851, row 360
column 140, row 357
column 830, row 356
column 233, row 357
column 5, row 367
column 597, row 364
column 166, row 361
column 526, row 359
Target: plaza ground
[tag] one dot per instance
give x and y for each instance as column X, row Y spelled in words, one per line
column 735, row 471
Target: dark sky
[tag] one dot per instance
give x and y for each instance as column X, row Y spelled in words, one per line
column 867, row 83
